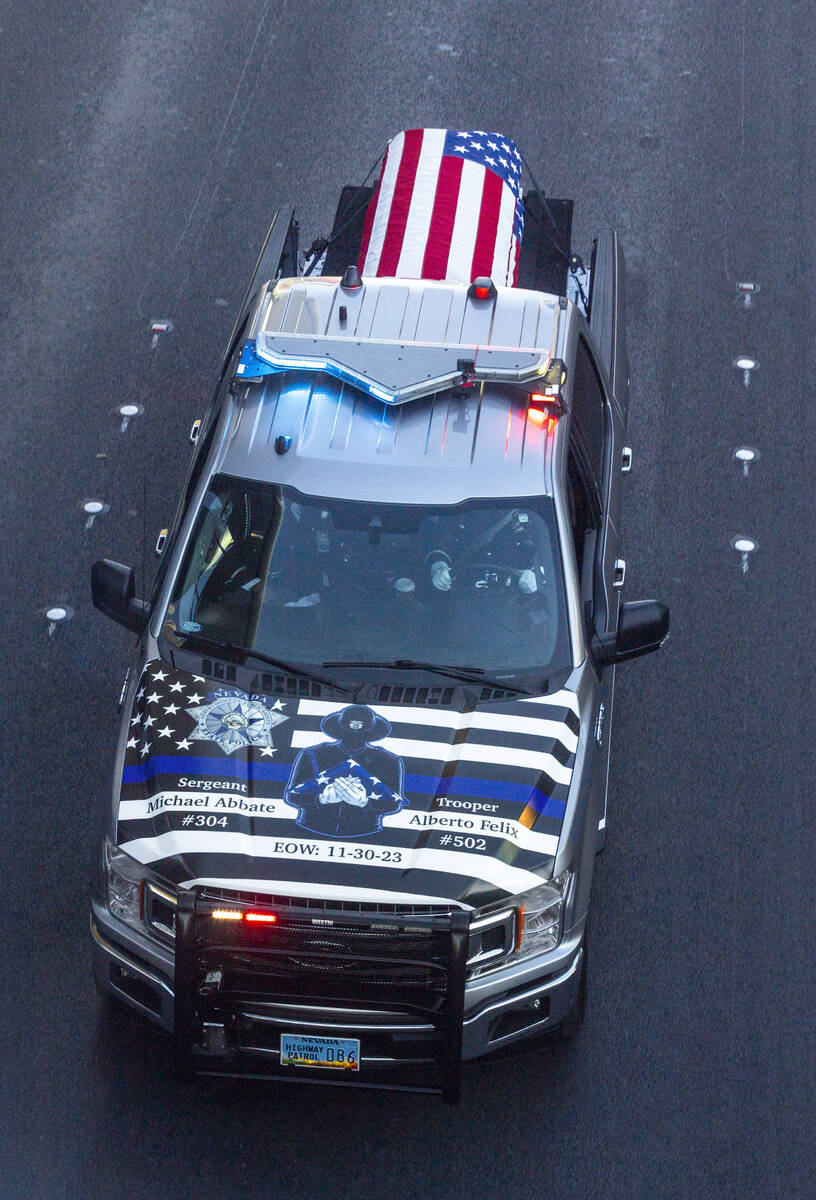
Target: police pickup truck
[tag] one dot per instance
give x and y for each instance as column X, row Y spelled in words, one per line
column 361, row 778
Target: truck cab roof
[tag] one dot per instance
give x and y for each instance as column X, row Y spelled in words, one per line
column 333, row 368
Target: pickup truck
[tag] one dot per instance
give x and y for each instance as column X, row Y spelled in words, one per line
column 361, row 778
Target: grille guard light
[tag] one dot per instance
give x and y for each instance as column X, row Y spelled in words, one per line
column 251, row 917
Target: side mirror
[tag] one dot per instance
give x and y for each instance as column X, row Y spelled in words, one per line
column 643, row 626
column 113, row 592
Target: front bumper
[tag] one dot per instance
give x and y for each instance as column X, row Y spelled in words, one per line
column 501, row 1007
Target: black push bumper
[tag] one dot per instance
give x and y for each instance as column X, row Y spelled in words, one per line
column 234, row 977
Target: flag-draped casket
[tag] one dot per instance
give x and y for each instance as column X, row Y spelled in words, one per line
column 448, row 205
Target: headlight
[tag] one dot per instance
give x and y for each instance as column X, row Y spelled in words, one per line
column 540, row 916
column 136, row 896
column 531, row 923
column 125, row 882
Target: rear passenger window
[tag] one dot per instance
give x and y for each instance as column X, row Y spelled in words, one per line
column 589, row 411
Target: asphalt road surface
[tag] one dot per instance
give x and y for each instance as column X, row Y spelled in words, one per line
column 144, row 148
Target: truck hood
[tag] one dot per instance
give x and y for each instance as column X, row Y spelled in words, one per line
column 320, row 798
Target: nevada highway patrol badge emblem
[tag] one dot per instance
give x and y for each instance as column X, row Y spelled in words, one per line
column 235, row 720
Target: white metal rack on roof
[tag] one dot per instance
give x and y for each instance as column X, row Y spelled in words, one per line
column 402, row 339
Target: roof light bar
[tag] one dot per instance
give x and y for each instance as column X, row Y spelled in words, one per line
column 254, row 365
column 494, row 365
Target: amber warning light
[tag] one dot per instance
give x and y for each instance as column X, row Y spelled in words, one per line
column 544, row 411
column 539, row 417
column 252, row 918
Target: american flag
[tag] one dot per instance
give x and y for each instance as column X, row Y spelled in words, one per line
column 448, row 206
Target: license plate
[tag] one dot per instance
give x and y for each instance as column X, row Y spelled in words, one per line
column 303, row 1050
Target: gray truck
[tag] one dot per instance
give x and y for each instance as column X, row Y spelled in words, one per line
column 361, row 779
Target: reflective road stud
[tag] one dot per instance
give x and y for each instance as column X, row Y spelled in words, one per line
column 55, row 615
column 746, row 290
column 746, row 455
column 126, row 412
column 744, row 546
column 157, row 328
column 746, row 364
column 93, row 509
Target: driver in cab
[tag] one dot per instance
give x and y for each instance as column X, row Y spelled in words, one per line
column 505, row 557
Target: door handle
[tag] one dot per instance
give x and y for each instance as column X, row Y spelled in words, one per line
column 619, row 576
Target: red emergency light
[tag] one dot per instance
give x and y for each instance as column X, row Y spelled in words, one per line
column 543, row 418
column 545, row 408
column 251, row 917
column 547, row 404
column 482, row 288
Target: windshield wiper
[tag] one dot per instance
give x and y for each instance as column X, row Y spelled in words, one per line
column 280, row 663
column 463, row 674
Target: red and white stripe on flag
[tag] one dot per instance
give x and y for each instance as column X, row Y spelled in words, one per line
column 448, row 205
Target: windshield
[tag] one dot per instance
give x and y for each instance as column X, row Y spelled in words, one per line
column 323, row 581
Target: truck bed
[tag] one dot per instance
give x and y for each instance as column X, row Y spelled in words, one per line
column 541, row 267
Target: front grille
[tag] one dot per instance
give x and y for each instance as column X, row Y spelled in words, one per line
column 295, row 937
column 348, row 957
column 328, row 978
column 492, row 938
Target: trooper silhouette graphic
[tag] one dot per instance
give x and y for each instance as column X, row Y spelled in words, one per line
column 346, row 786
